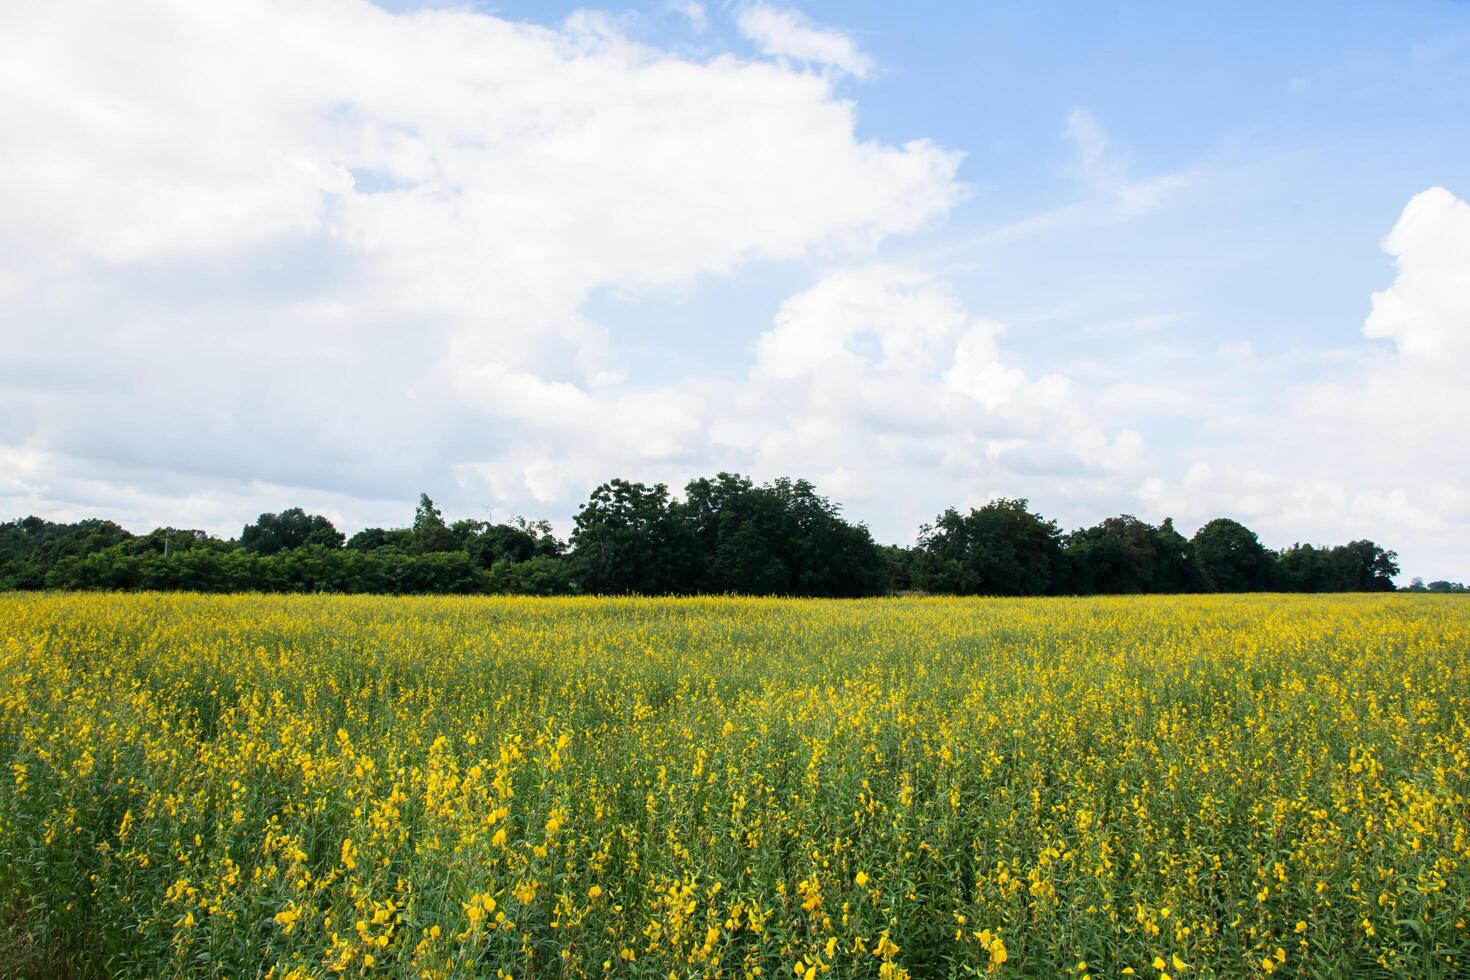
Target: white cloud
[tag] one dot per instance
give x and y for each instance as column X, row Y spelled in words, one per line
column 876, row 381
column 693, row 11
column 239, row 248
column 881, row 371
column 1426, row 312
column 786, row 33
column 977, row 370
column 889, row 329
column 1369, row 449
column 902, row 313
column 1101, row 168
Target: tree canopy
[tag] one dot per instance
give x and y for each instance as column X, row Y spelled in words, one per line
column 1126, row 555
column 725, row 534
column 629, row 539
column 999, row 549
column 1231, row 558
column 293, row 528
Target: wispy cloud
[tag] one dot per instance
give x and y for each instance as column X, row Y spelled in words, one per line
column 694, row 11
column 1103, row 169
column 785, row 33
column 1114, row 194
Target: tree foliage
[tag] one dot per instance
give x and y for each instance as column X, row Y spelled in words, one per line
column 725, row 534
column 1358, row 566
column 999, row 549
column 627, row 540
column 781, row 538
column 1126, row 555
column 1231, row 558
column 290, row 529
column 430, row 533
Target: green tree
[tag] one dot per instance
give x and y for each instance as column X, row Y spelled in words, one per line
column 999, row 549
column 628, row 539
column 1305, row 568
column 31, row 547
column 291, row 528
column 1126, row 555
column 1176, row 569
column 828, row 556
column 518, row 540
column 739, row 531
column 1362, row 566
column 430, row 533
column 1358, row 566
column 900, row 562
column 780, row 538
column 540, row 575
column 368, row 539
column 1231, row 558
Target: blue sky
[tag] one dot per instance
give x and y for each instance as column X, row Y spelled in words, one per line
column 1306, row 128
column 1113, row 258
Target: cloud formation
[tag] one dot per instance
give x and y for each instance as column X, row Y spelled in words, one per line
column 1426, row 312
column 785, row 33
column 1106, row 172
column 1372, row 447
column 326, row 247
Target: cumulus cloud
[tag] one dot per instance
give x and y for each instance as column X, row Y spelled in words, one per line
column 880, row 376
column 327, row 248
column 902, row 313
column 1370, row 448
column 786, row 33
column 1426, row 312
column 901, row 332
column 876, row 381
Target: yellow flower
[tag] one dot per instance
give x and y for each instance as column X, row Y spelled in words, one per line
column 594, row 891
column 286, row 918
column 861, row 879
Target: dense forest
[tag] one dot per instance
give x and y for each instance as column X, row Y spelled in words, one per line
column 726, row 534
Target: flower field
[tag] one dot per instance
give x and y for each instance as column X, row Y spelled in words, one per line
column 314, row 786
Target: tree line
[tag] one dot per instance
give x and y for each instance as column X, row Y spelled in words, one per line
column 725, row 535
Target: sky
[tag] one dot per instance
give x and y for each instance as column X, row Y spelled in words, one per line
column 1172, row 260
